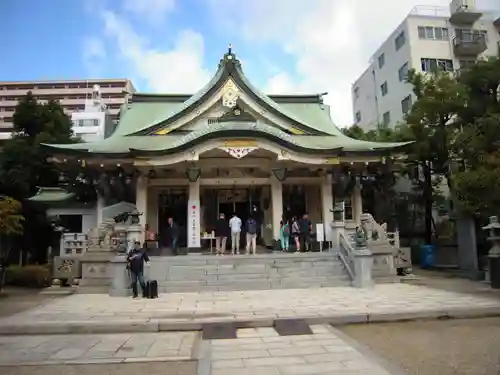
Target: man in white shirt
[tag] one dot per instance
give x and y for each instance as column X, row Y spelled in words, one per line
column 235, row 225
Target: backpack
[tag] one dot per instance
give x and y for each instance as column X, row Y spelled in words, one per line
column 251, row 226
column 286, row 229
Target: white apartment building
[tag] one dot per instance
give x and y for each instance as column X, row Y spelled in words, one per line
column 95, row 122
column 429, row 38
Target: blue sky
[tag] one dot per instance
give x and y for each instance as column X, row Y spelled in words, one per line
column 175, row 45
column 48, row 38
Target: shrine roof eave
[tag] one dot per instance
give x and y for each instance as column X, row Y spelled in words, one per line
column 52, row 195
column 127, row 147
column 230, row 67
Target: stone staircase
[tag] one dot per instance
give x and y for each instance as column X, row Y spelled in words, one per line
column 204, row 273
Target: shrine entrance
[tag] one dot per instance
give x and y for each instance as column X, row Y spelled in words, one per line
column 172, row 203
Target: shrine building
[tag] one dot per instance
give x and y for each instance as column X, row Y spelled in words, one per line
column 229, row 148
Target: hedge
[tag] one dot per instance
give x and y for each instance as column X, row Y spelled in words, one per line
column 31, row 276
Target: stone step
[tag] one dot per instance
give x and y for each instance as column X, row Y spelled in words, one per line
column 295, row 283
column 199, row 273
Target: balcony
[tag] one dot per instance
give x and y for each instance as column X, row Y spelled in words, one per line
column 470, row 45
column 464, row 15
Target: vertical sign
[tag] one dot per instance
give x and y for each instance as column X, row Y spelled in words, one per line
column 193, row 224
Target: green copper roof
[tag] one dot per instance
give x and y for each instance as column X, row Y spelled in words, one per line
column 134, row 118
column 172, row 142
column 149, row 113
column 51, row 195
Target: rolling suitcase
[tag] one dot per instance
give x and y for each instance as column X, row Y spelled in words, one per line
column 152, row 289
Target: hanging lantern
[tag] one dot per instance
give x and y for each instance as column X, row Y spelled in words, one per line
column 63, row 179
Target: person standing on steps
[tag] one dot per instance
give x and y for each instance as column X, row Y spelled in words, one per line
column 285, row 236
column 136, row 259
column 235, row 225
column 305, row 227
column 221, row 234
column 174, row 235
column 296, row 234
column 251, row 229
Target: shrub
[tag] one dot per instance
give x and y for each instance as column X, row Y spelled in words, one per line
column 32, row 276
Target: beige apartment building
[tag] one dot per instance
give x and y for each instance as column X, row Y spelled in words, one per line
column 72, row 94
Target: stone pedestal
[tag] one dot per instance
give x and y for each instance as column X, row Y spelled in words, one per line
column 336, row 228
column 120, row 277
column 363, row 265
column 95, row 277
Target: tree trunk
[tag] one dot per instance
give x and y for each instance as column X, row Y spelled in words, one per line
column 428, row 200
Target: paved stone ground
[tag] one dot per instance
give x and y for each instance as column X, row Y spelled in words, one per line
column 259, row 351
column 153, row 368
column 453, row 347
column 381, row 303
column 262, row 351
column 109, row 348
column 15, row 300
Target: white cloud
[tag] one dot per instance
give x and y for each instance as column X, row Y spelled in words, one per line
column 153, row 10
column 330, row 41
column 179, row 69
column 94, row 53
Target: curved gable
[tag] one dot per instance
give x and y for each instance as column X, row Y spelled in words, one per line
column 229, row 71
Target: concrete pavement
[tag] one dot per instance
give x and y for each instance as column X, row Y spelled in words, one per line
column 96, row 313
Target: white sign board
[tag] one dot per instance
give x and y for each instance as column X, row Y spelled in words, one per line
column 193, row 224
column 320, row 232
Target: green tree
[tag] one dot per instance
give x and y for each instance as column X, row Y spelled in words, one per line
column 430, row 123
column 11, row 223
column 477, row 141
column 379, row 194
column 24, row 165
column 11, row 219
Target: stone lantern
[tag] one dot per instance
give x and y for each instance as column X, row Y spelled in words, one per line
column 338, row 212
column 493, row 231
column 134, row 217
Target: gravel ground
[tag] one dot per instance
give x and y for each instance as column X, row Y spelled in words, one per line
column 450, row 347
column 156, row 368
column 450, row 282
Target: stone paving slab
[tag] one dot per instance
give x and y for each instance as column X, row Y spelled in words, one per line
column 95, row 313
column 262, row 351
column 94, row 349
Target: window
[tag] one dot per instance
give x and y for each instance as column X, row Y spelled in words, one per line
column 441, row 33
column 464, row 64
column 356, row 93
column 470, row 35
column 381, row 61
column 358, row 117
column 386, row 118
column 435, row 65
column 433, row 33
column 403, row 72
column 400, row 40
column 406, row 105
column 384, row 89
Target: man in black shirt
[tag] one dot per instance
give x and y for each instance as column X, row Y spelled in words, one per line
column 136, row 259
column 305, row 227
column 174, row 234
column 221, row 234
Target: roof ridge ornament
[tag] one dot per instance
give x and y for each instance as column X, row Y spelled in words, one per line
column 229, row 61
